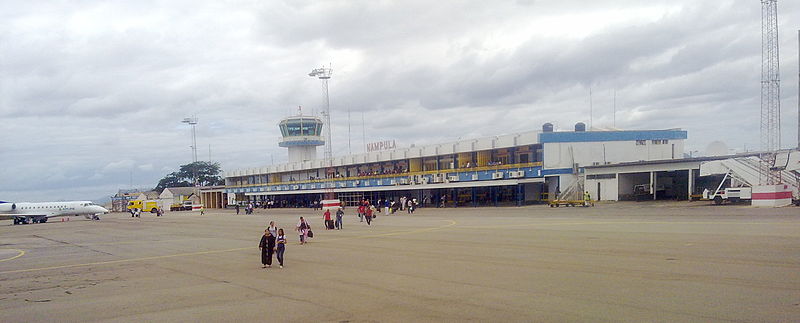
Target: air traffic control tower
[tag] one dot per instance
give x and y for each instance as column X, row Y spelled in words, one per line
column 301, row 135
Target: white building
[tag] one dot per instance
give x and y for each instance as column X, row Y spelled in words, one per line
column 515, row 169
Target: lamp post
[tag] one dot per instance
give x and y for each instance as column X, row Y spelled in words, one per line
column 324, row 74
column 193, row 122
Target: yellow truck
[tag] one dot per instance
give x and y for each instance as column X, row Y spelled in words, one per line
column 149, row 205
column 186, row 205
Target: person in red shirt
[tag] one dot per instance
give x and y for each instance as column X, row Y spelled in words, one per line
column 361, row 212
column 369, row 215
column 328, row 221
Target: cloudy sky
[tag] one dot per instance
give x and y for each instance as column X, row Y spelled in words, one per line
column 92, row 92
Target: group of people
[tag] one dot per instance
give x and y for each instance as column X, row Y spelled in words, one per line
column 392, row 206
column 329, row 223
column 366, row 211
column 248, row 209
column 273, row 204
column 470, row 164
column 137, row 213
column 272, row 242
column 389, row 171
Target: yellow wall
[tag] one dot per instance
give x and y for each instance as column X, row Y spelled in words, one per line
column 415, row 164
column 463, row 159
column 484, row 157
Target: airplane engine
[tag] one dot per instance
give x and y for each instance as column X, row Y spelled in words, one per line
column 8, row 207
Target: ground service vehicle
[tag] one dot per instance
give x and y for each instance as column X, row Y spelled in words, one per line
column 185, row 206
column 149, row 205
column 731, row 194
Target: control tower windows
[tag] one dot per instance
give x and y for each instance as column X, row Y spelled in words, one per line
column 297, row 128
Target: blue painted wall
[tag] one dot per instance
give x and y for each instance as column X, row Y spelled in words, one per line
column 594, row 136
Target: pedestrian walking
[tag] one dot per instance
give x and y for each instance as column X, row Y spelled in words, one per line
column 328, row 221
column 368, row 215
column 302, row 230
column 267, row 246
column 202, row 210
column 339, row 215
column 272, row 229
column 281, row 244
column 237, row 209
column 361, row 212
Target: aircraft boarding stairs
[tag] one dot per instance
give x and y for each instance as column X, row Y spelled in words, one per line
column 745, row 170
column 572, row 195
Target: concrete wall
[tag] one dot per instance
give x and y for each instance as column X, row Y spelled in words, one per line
column 608, row 189
column 561, row 155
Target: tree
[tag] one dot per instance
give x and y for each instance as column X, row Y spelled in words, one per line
column 207, row 175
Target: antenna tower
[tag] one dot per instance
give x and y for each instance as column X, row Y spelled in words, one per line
column 770, row 92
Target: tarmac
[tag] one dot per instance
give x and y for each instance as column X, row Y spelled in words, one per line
column 616, row 262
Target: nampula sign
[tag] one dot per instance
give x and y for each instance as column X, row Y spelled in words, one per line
column 381, row 145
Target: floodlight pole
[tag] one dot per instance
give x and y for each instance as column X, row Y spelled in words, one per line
column 193, row 122
column 324, row 74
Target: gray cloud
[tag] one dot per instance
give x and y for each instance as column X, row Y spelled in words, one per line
column 92, row 93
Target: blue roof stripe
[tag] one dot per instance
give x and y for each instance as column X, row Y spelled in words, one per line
column 590, row 136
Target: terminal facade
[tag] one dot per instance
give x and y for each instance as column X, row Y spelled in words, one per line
column 512, row 169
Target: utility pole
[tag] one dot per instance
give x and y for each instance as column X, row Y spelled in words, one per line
column 363, row 132
column 614, row 121
column 349, row 148
column 590, row 109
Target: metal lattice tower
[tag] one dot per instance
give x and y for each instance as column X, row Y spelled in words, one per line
column 324, row 74
column 770, row 91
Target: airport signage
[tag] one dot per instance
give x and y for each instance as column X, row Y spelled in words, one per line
column 381, row 145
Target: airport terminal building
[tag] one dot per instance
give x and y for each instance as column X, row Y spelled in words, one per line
column 511, row 169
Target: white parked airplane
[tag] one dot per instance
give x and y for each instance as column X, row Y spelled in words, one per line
column 39, row 212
